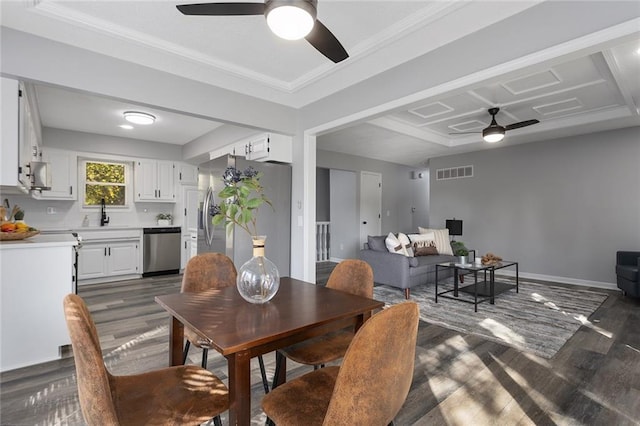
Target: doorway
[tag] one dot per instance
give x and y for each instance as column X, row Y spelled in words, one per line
column 370, row 205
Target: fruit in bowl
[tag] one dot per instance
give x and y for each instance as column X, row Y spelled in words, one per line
column 8, row 227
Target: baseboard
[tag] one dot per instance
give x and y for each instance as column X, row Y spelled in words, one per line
column 564, row 280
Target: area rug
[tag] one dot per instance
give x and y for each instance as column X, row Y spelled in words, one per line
column 538, row 319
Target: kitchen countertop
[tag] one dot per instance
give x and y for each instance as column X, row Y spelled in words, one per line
column 38, row 241
column 45, row 230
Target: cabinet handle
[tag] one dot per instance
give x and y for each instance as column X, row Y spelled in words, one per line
column 185, row 244
column 158, row 193
column 185, row 211
column 109, row 251
column 180, row 174
column 70, row 190
column 105, row 251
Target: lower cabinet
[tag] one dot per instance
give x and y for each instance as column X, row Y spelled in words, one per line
column 101, row 259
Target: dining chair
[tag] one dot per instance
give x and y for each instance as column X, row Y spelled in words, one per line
column 368, row 388
column 203, row 272
column 173, row 395
column 353, row 276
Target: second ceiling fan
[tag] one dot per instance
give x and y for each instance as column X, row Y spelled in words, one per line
column 495, row 132
column 289, row 19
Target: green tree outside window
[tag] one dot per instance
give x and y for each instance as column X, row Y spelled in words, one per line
column 104, row 180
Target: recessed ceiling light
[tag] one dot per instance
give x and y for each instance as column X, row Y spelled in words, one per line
column 126, row 126
column 138, row 117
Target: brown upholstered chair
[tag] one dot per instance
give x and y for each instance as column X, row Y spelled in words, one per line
column 173, row 395
column 370, row 386
column 204, row 272
column 353, row 276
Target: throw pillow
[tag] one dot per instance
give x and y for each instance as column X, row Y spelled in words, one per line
column 404, row 240
column 441, row 238
column 394, row 245
column 376, row 243
column 424, row 244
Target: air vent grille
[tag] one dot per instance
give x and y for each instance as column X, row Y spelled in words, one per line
column 454, row 173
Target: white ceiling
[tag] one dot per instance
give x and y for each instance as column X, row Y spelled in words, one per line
column 581, row 91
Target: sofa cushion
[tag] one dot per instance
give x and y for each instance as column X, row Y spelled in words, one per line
column 628, row 272
column 376, row 242
column 441, row 238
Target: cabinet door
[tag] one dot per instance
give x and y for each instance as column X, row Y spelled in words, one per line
column 9, row 131
column 145, row 180
column 63, row 166
column 187, row 174
column 185, row 254
column 92, row 261
column 190, row 201
column 123, row 258
column 166, row 181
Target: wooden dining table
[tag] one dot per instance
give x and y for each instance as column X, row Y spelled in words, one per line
column 240, row 330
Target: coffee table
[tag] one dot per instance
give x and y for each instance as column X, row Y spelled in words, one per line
column 483, row 290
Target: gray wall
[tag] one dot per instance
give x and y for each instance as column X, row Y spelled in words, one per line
column 344, row 230
column 399, row 191
column 562, row 207
column 322, row 195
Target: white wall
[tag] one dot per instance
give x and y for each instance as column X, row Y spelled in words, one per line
column 562, row 208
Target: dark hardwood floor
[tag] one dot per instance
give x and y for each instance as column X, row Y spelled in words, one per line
column 458, row 379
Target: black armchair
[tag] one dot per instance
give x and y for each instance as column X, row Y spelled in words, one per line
column 627, row 265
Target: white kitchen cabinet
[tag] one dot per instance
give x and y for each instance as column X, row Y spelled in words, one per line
column 187, row 174
column 102, row 259
column 155, row 181
column 190, row 200
column 36, row 274
column 185, row 253
column 269, row 147
column 63, row 166
column 19, row 143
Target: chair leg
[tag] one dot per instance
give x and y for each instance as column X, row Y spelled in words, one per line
column 276, row 374
column 263, row 373
column 217, row 421
column 407, row 293
column 205, row 353
column 186, row 352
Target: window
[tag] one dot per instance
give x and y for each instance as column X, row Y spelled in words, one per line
column 108, row 180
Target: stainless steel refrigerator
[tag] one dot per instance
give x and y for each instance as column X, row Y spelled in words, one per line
column 274, row 222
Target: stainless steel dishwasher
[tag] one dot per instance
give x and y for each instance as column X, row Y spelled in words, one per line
column 161, row 251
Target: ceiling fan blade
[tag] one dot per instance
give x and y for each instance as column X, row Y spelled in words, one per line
column 222, row 9
column 464, row 133
column 521, row 124
column 326, row 43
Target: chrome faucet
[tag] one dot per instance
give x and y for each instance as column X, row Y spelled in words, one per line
column 103, row 214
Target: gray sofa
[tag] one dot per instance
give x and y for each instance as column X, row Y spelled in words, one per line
column 627, row 272
column 401, row 271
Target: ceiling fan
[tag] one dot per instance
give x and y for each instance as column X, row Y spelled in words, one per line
column 288, row 19
column 495, row 132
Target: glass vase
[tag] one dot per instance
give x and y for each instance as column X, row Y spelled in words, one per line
column 258, row 278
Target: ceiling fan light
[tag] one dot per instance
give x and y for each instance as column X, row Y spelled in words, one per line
column 138, row 117
column 493, row 134
column 290, row 22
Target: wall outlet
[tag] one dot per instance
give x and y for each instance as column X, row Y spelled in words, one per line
column 51, row 210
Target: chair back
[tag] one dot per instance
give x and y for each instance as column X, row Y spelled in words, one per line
column 353, row 276
column 94, row 387
column 208, row 270
column 377, row 370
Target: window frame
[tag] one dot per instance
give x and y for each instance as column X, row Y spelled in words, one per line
column 128, row 183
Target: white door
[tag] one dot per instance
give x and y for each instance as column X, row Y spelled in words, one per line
column 370, row 205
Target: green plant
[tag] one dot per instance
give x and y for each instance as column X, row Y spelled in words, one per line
column 244, row 195
column 164, row 216
column 459, row 249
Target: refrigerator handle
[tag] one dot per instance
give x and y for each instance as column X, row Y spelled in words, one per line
column 206, row 221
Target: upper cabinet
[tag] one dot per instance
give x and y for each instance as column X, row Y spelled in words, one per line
column 269, row 147
column 263, row 147
column 20, row 140
column 187, row 174
column 63, row 166
column 155, row 181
